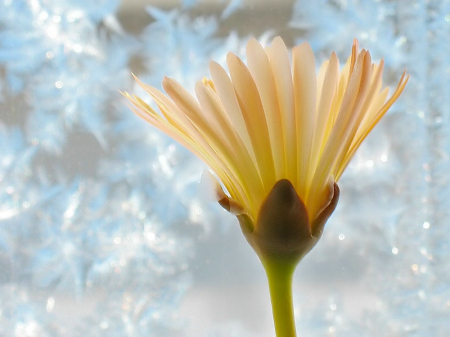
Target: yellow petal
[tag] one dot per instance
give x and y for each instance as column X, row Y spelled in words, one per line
column 259, row 67
column 247, row 173
column 304, row 68
column 281, row 70
column 255, row 119
column 225, row 91
column 352, row 102
column 374, row 121
column 327, row 89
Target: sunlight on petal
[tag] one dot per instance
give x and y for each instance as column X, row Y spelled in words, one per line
column 274, row 120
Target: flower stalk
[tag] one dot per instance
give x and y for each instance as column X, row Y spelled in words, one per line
column 282, row 236
column 280, row 277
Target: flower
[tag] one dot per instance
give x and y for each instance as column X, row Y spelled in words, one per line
column 278, row 137
column 269, row 121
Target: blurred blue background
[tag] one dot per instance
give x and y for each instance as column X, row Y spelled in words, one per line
column 104, row 227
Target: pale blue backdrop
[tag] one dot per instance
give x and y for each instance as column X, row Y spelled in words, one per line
column 104, row 227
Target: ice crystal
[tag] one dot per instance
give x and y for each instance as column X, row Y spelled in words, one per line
column 61, row 49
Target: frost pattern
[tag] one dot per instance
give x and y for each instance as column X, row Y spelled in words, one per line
column 103, row 231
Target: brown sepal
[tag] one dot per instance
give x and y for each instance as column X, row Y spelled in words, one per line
column 283, row 230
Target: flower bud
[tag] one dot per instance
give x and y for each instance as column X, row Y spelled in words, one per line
column 283, row 230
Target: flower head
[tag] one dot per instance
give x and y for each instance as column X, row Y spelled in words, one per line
column 271, row 121
column 278, row 137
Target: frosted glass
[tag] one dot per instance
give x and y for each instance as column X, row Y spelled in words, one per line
column 105, row 229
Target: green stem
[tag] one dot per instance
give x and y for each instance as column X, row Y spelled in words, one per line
column 280, row 275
